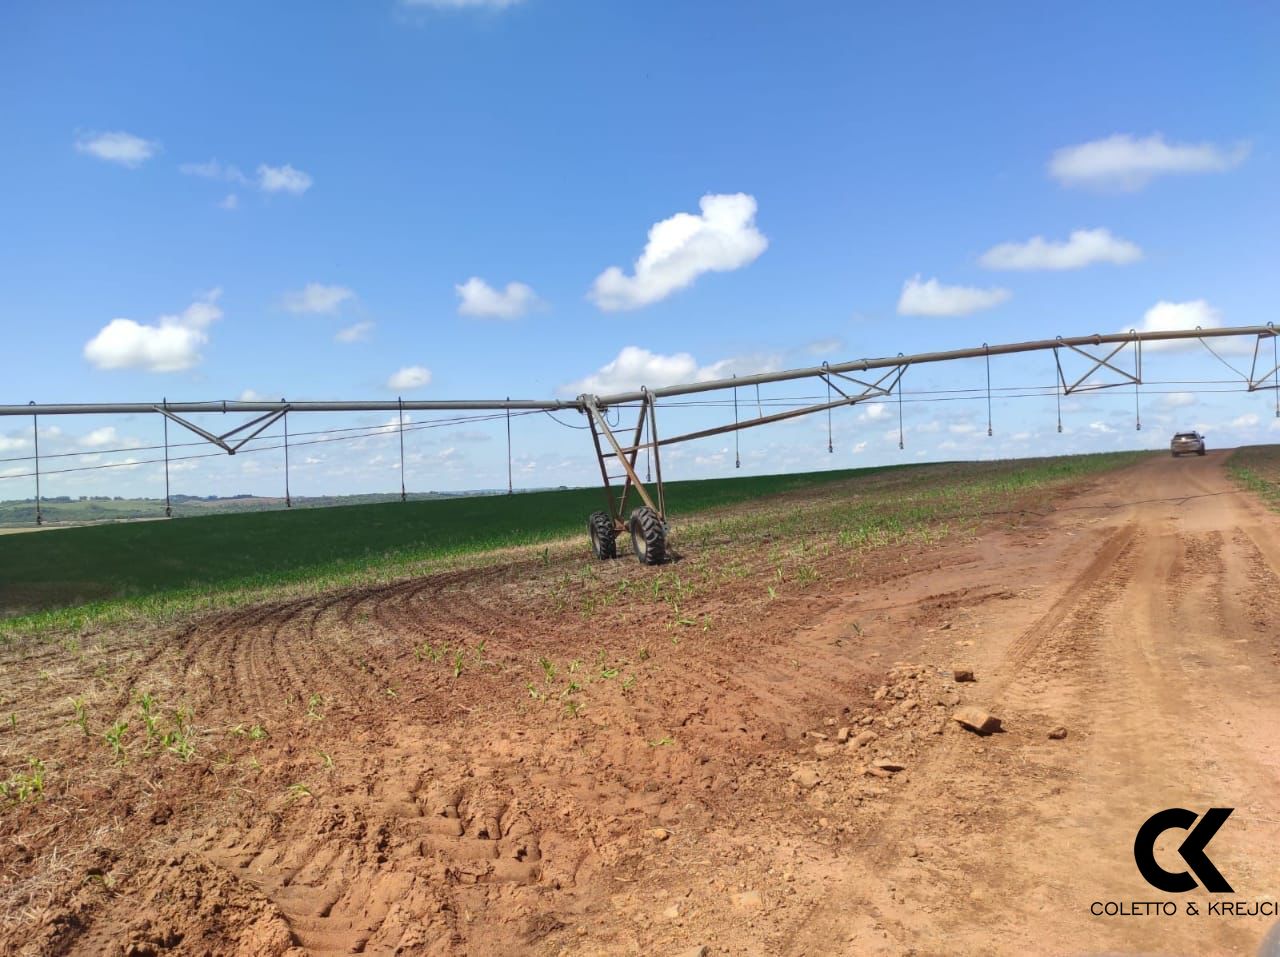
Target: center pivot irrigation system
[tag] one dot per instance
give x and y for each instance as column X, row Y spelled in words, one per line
column 1105, row 360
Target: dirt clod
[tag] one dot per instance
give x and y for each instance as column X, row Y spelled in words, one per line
column 1058, row 733
column 963, row 674
column 806, row 777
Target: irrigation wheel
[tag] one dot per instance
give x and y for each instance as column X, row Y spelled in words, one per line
column 604, row 537
column 648, row 536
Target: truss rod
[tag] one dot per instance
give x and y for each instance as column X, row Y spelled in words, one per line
column 862, row 365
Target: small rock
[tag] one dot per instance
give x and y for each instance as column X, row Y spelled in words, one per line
column 658, row 833
column 672, row 912
column 887, row 764
column 829, row 722
column 876, row 772
column 1058, row 733
column 842, row 735
column 880, row 693
column 863, row 738
column 826, row 749
column 818, row 734
column 963, row 674
column 749, row 900
column 700, row 951
column 946, row 626
column 976, row 720
column 806, row 777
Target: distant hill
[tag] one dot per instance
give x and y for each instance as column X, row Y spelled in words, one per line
column 92, row 510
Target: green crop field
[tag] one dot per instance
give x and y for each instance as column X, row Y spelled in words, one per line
column 1257, row 468
column 152, row 568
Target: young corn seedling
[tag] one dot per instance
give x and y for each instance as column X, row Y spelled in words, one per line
column 457, row 664
column 314, row 705
column 24, row 786
column 548, row 669
column 82, row 714
column 114, row 736
column 296, row 791
column 150, row 720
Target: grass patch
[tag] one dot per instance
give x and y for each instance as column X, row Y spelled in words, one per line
column 1257, row 468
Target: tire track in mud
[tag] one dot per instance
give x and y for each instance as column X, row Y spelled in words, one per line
column 342, row 874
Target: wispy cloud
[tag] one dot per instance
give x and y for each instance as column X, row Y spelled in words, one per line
column 213, row 169
column 283, row 179
column 932, row 298
column 1125, row 162
column 118, row 147
column 1083, row 248
column 316, row 298
column 721, row 238
column 356, row 333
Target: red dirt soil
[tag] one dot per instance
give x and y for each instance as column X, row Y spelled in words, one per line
column 712, row 780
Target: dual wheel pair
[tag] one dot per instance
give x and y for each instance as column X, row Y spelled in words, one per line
column 648, row 536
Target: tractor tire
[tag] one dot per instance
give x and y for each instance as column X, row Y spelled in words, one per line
column 1201, row 452
column 648, row 536
column 604, row 537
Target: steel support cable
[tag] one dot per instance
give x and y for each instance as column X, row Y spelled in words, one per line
column 168, row 505
column 401, row 414
column 1057, row 391
column 288, row 498
column 187, row 458
column 988, row 348
column 369, row 431
column 1137, row 386
column 1214, row 353
column 737, row 457
column 510, row 484
column 902, row 440
column 1275, row 356
column 830, row 445
column 35, row 438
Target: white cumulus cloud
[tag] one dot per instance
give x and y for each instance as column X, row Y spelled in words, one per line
column 477, row 298
column 723, row 237
column 1083, row 248
column 410, row 377
column 283, row 179
column 171, row 344
column 118, row 147
column 356, row 333
column 1126, row 162
column 634, row 367
column 932, row 298
column 316, row 298
column 1170, row 316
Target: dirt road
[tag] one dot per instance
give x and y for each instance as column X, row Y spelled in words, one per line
column 530, row 758
column 1149, row 630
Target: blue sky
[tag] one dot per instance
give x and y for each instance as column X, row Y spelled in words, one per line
column 268, row 176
